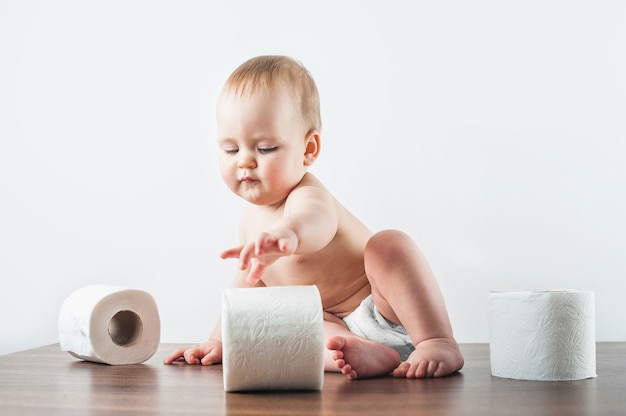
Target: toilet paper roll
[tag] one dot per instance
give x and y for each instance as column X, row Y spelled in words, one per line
column 542, row 335
column 110, row 324
column 272, row 338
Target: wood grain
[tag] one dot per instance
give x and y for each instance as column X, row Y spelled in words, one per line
column 47, row 381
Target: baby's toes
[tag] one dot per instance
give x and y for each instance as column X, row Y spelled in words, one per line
column 421, row 370
column 441, row 370
column 348, row 370
column 402, row 369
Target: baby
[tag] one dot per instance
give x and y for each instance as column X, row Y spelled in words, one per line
column 383, row 310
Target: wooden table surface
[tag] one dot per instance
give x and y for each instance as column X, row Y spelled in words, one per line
column 47, row 381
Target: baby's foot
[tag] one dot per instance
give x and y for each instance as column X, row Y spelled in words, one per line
column 432, row 358
column 362, row 358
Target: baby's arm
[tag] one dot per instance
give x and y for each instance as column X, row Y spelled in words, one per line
column 308, row 224
column 311, row 216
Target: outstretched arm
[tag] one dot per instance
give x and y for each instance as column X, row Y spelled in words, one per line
column 308, row 224
column 260, row 253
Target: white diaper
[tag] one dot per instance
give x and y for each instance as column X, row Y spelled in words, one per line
column 367, row 322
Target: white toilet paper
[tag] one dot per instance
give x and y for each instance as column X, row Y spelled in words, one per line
column 272, row 338
column 110, row 324
column 542, row 335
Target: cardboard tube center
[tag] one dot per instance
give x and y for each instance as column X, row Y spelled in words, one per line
column 125, row 328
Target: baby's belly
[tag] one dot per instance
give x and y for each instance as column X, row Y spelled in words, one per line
column 341, row 281
column 339, row 296
column 341, row 301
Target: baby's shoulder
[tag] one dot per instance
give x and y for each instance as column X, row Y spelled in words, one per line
column 310, row 181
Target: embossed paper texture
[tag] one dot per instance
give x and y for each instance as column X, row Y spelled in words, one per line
column 542, row 335
column 272, row 338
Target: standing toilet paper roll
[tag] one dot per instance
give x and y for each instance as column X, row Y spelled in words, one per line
column 272, row 338
column 110, row 324
column 542, row 335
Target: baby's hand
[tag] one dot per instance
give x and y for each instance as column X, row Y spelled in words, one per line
column 264, row 251
column 206, row 354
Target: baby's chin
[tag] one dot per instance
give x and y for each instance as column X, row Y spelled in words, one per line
column 262, row 200
column 257, row 195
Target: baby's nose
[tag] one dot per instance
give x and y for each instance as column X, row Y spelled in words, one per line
column 246, row 160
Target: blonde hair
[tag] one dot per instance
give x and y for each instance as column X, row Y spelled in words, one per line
column 267, row 72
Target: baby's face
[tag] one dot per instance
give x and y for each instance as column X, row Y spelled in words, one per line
column 261, row 140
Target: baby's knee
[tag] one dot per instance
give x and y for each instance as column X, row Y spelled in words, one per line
column 389, row 244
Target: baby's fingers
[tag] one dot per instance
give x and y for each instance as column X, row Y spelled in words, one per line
column 256, row 272
column 231, row 253
column 265, row 243
column 284, row 245
column 177, row 355
column 246, row 254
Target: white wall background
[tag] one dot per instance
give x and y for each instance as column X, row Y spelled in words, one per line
column 492, row 132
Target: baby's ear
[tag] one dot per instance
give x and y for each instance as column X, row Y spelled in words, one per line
column 312, row 144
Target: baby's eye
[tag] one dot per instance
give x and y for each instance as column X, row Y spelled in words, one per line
column 230, row 150
column 267, row 149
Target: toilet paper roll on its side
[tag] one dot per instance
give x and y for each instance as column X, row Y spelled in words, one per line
column 542, row 334
column 110, row 324
column 272, row 338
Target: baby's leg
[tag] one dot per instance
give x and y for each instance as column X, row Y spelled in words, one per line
column 354, row 356
column 406, row 292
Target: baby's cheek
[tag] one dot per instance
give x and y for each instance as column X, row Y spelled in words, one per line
column 226, row 173
column 278, row 174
